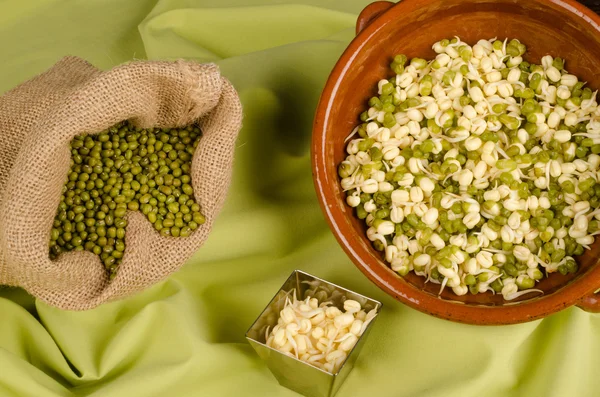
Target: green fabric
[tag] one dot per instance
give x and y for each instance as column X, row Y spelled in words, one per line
column 185, row 336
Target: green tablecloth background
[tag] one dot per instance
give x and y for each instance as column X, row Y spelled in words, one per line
column 185, row 336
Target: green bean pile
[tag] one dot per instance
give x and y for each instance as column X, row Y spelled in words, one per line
column 126, row 169
column 477, row 169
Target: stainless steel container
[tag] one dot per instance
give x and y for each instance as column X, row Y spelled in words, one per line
column 289, row 371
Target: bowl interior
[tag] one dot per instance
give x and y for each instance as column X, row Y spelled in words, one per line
column 411, row 28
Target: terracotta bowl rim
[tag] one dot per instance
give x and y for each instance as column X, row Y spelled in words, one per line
column 377, row 271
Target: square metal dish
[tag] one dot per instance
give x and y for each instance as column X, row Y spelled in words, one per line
column 294, row 373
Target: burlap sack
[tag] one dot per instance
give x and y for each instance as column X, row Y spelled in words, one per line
column 39, row 118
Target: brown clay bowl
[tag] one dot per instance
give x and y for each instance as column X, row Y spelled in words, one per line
column 559, row 27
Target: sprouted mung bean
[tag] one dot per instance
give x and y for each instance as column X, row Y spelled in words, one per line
column 319, row 333
column 120, row 169
column 476, row 169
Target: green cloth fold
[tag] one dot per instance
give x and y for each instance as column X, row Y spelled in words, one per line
column 185, row 336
